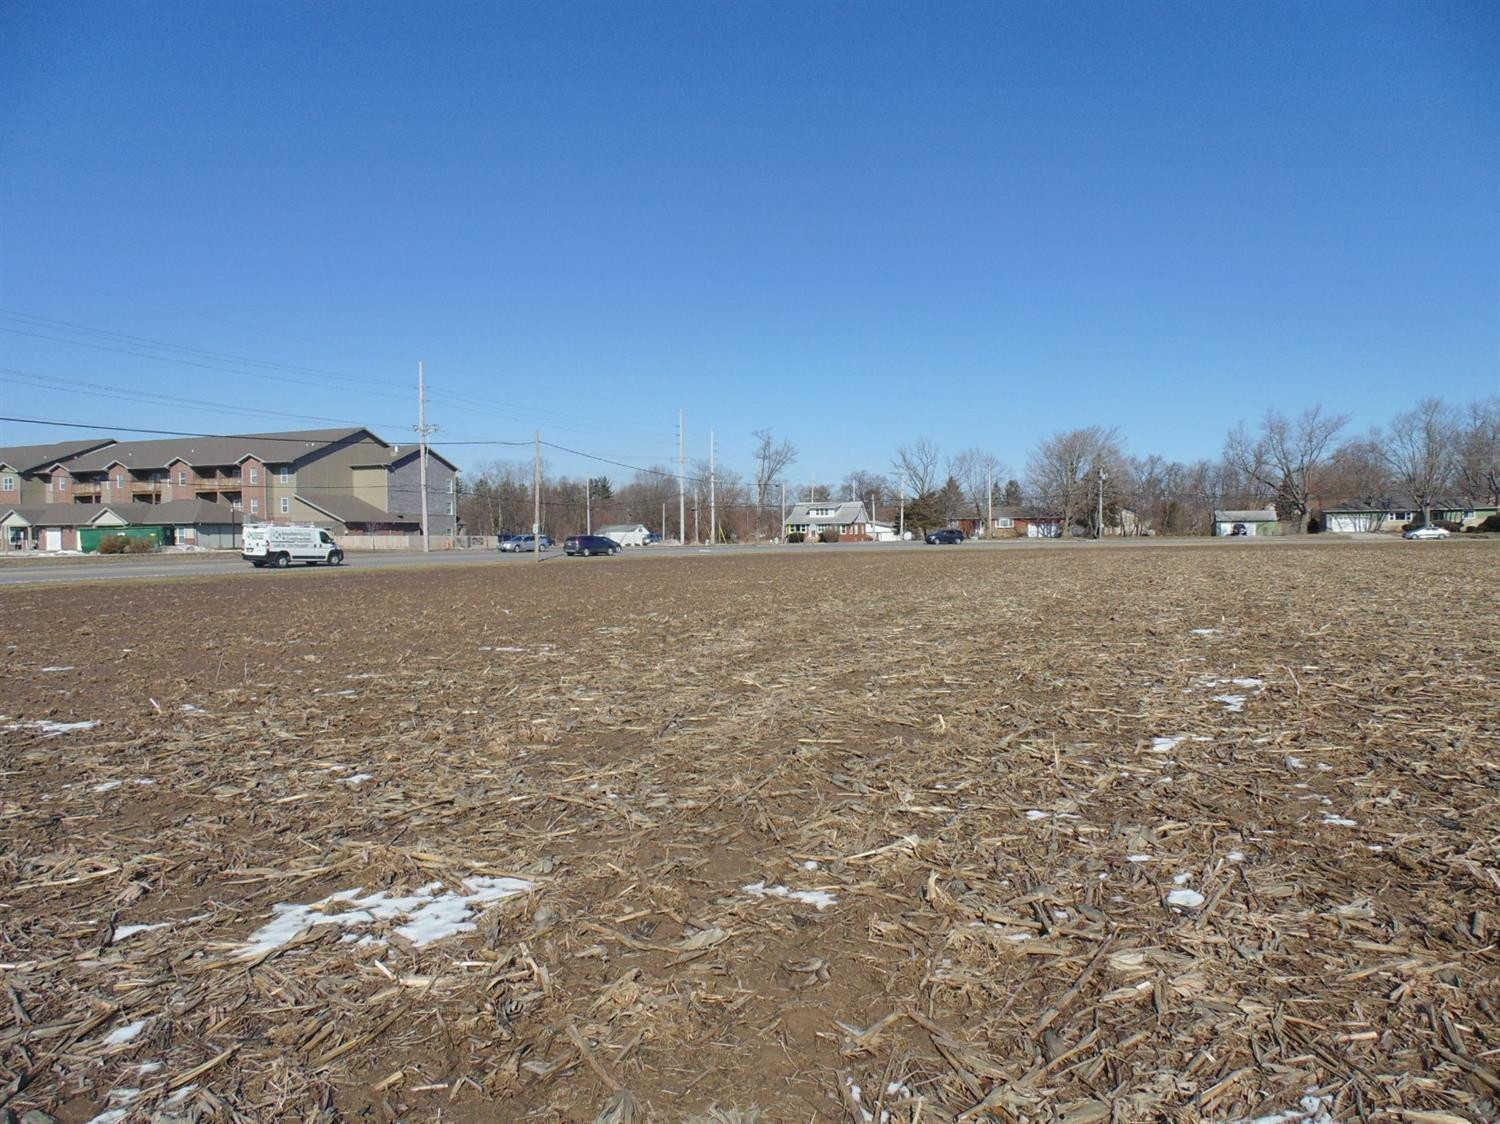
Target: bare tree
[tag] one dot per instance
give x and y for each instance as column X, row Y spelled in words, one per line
column 772, row 458
column 1479, row 451
column 978, row 473
column 1419, row 449
column 1058, row 469
column 916, row 467
column 1285, row 460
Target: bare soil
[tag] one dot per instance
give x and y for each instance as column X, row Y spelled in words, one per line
column 1073, row 869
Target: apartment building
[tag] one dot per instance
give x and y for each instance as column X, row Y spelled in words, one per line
column 349, row 481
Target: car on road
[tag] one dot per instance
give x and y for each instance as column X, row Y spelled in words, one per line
column 520, row 544
column 1425, row 532
column 948, row 536
column 585, row 545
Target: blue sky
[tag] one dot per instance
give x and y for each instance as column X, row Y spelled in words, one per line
column 854, row 224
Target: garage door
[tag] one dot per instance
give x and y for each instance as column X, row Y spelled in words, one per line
column 51, row 540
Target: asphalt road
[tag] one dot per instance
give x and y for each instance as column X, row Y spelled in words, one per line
column 50, row 571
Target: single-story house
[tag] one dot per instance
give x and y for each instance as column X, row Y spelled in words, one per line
column 1393, row 513
column 1027, row 523
column 1253, row 521
column 849, row 519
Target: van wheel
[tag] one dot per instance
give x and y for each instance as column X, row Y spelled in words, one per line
column 585, row 552
column 616, row 550
column 283, row 561
column 335, row 557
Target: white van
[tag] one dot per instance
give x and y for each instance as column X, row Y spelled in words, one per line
column 281, row 544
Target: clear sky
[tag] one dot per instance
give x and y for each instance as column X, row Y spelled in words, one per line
column 856, row 224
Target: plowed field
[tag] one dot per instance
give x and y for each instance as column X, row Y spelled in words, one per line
column 1131, row 834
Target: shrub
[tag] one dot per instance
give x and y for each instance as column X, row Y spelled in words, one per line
column 829, row 536
column 794, row 536
column 113, row 544
column 139, row 546
column 1491, row 524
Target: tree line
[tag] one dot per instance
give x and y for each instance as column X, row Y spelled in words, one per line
column 1430, row 453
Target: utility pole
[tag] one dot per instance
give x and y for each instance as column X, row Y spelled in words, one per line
column 697, row 535
column 1099, row 526
column 782, row 532
column 588, row 505
column 663, row 520
column 423, row 429
column 713, row 503
column 989, row 499
column 536, row 500
column 902, row 530
column 681, row 483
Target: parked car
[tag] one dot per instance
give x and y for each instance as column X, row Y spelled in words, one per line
column 520, row 544
column 1427, row 531
column 948, row 536
column 505, row 541
column 585, row 545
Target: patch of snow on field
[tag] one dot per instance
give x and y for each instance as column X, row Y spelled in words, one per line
column 1236, row 856
column 1191, row 899
column 52, row 729
column 123, row 1034
column 1138, row 858
column 820, row 898
column 107, row 786
column 1329, row 819
column 1310, row 1110
column 1036, row 814
column 1203, row 631
column 431, row 913
column 358, row 779
column 1232, row 703
column 1166, row 745
column 60, row 667
column 124, row 931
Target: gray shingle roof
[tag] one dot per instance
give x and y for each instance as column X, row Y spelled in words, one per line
column 1254, row 515
column 25, row 458
column 850, row 511
column 349, row 509
column 274, row 448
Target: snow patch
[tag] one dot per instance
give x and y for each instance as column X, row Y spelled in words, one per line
column 358, row 779
column 1166, row 745
column 1235, row 856
column 1310, row 1110
column 1232, row 703
column 820, row 898
column 431, row 913
column 1191, row 899
column 1329, row 819
column 124, row 931
column 107, row 786
column 123, row 1034
column 1138, row 858
column 52, row 729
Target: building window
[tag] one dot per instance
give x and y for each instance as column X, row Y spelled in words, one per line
column 7, row 483
column 450, row 485
column 182, row 476
column 62, row 483
column 119, row 480
column 286, row 474
column 286, row 505
column 450, row 507
column 254, row 506
column 255, row 476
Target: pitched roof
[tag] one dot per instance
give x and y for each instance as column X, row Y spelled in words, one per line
column 349, row 509
column 849, row 511
column 26, row 458
column 1030, row 513
column 1387, row 504
column 1254, row 515
column 179, row 512
column 270, row 447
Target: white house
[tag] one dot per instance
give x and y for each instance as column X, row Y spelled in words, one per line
column 848, row 519
column 1256, row 521
column 627, row 534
